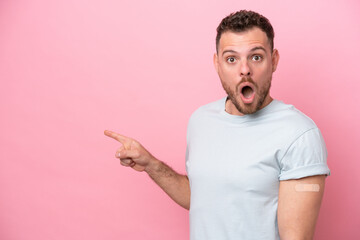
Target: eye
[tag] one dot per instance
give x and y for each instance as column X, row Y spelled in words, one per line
column 256, row 58
column 230, row 59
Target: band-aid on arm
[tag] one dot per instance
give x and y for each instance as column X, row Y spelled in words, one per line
column 307, row 187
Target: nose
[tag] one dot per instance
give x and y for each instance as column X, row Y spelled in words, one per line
column 245, row 69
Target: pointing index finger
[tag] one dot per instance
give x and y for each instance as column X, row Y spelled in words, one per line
column 116, row 136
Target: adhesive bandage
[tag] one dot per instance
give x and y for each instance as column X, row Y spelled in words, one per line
column 307, row 187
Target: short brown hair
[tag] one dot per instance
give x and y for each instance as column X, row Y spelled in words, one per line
column 244, row 20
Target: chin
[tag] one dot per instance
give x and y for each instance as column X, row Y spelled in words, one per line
column 249, row 109
column 252, row 107
column 246, row 108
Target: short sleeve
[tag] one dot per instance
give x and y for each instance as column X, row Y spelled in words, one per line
column 305, row 157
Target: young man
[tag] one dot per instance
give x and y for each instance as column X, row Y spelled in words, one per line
column 256, row 166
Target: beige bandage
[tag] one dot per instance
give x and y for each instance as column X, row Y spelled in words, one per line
column 307, row 187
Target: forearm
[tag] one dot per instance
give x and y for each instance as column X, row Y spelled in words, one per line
column 298, row 207
column 133, row 154
column 174, row 184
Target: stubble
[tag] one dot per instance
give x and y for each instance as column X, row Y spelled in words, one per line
column 260, row 96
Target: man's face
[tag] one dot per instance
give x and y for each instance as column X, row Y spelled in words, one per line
column 245, row 65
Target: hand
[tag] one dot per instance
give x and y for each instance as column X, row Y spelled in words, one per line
column 131, row 153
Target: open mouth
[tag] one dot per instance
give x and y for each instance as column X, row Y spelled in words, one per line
column 247, row 92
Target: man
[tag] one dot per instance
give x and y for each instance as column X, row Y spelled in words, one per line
column 256, row 166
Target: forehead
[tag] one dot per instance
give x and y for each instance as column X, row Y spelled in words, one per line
column 243, row 40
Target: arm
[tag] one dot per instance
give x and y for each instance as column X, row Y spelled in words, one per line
column 133, row 154
column 299, row 206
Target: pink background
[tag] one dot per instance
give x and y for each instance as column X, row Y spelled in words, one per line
column 71, row 69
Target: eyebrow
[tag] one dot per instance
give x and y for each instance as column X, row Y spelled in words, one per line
column 257, row 48
column 251, row 50
column 230, row 51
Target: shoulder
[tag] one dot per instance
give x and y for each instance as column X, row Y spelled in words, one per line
column 292, row 118
column 207, row 110
column 286, row 124
column 205, row 117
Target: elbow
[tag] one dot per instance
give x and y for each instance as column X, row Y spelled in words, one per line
column 185, row 205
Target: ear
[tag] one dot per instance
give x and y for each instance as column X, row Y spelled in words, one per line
column 275, row 59
column 216, row 62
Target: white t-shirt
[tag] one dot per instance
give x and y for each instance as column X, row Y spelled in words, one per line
column 235, row 163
